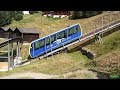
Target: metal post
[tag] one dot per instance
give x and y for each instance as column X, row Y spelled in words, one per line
column 50, row 41
column 102, row 32
column 17, row 50
column 12, row 56
column 22, row 35
column 8, row 56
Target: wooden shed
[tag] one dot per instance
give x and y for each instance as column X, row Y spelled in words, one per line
column 28, row 34
column 2, row 33
column 6, row 32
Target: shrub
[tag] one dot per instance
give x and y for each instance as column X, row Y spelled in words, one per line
column 83, row 14
column 18, row 17
column 32, row 12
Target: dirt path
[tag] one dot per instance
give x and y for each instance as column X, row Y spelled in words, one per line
column 33, row 75
column 28, row 75
column 94, row 75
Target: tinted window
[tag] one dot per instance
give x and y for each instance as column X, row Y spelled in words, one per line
column 41, row 43
column 53, row 38
column 78, row 27
column 74, row 30
column 58, row 36
column 65, row 34
column 62, row 34
column 70, row 32
column 36, row 45
column 47, row 41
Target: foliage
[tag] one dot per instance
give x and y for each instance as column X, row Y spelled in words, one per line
column 32, row 12
column 18, row 17
column 7, row 16
column 83, row 14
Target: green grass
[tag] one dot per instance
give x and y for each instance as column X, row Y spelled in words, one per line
column 111, row 42
column 107, row 55
column 59, row 64
column 24, row 52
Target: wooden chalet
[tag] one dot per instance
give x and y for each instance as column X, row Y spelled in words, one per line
column 6, row 32
column 28, row 34
column 59, row 14
column 2, row 33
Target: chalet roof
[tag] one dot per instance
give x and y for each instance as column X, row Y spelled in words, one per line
column 5, row 28
column 22, row 30
column 28, row 30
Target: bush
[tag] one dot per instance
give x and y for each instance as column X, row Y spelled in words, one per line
column 76, row 15
column 32, row 12
column 83, row 14
column 5, row 18
column 18, row 17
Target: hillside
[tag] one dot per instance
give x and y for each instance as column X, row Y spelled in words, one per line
column 107, row 55
column 47, row 25
column 73, row 59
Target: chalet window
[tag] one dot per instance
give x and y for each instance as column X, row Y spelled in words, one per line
column 41, row 43
column 47, row 41
column 36, row 45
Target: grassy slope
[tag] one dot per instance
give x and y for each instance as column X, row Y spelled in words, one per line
column 66, row 62
column 49, row 25
column 108, row 54
column 44, row 24
column 60, row 63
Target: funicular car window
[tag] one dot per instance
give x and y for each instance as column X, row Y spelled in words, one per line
column 78, row 28
column 58, row 36
column 74, row 30
column 47, row 41
column 53, row 38
column 41, row 43
column 62, row 34
column 65, row 34
column 70, row 32
column 36, row 45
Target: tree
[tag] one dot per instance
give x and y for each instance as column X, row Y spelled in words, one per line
column 32, row 12
column 18, row 17
column 83, row 14
column 7, row 16
column 75, row 15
